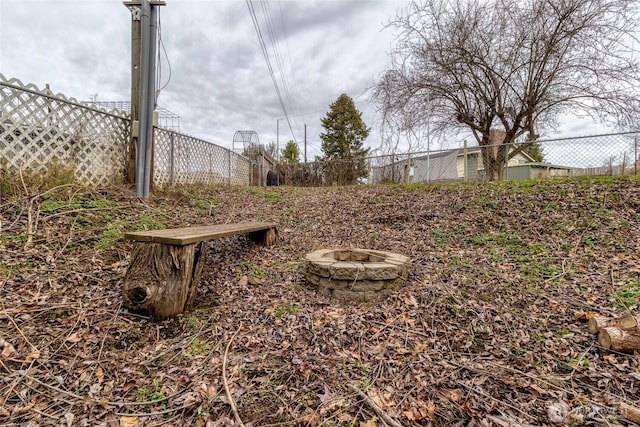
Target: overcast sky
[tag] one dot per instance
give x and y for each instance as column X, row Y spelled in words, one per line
column 219, row 80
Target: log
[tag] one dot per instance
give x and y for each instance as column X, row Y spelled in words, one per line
column 598, row 322
column 630, row 412
column 267, row 237
column 628, row 322
column 162, row 279
column 614, row 338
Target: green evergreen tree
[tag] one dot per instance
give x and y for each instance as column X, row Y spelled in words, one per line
column 291, row 153
column 345, row 132
column 536, row 152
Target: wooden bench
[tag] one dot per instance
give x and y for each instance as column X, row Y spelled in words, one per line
column 165, row 268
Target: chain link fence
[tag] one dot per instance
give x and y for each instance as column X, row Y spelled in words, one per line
column 596, row 155
column 40, row 131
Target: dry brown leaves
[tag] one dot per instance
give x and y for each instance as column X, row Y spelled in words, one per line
column 484, row 333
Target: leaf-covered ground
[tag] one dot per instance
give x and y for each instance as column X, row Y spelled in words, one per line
column 488, row 331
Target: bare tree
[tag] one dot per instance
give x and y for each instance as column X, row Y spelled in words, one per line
column 513, row 65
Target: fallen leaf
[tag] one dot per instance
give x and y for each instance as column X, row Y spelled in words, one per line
column 411, row 300
column 431, row 410
column 128, row 421
column 452, row 395
column 538, row 389
column 557, row 412
column 380, row 399
column 8, row 351
column 254, row 280
column 373, row 422
column 69, row 417
column 410, row 415
column 244, row 280
column 74, row 338
column 584, row 315
column 99, row 374
column 34, row 355
column 19, row 410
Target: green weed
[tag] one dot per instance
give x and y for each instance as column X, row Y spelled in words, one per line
column 358, row 364
column 51, row 205
column 614, row 420
column 364, row 383
column 254, row 270
column 588, row 241
column 262, row 393
column 535, row 337
column 270, row 196
column 148, row 222
column 579, row 362
column 198, row 346
column 291, row 308
column 152, row 394
column 111, row 234
column 10, row 237
column 477, row 240
column 628, row 294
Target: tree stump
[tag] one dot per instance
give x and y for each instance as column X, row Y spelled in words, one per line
column 598, row 322
column 265, row 237
column 617, row 339
column 166, row 265
column 162, row 279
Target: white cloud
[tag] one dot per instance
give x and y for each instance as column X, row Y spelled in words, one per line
column 219, row 79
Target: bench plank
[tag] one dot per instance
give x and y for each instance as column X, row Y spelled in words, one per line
column 188, row 235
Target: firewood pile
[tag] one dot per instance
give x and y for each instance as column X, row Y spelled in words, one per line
column 620, row 333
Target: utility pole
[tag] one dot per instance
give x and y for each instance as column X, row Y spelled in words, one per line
column 143, row 56
column 134, row 7
column 278, row 139
column 305, row 143
column 278, row 149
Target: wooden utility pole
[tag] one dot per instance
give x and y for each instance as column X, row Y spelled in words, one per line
column 305, row 143
column 134, row 7
column 144, row 16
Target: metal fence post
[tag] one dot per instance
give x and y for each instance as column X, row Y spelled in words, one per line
column 171, row 160
column 464, row 160
column 635, row 158
column 611, row 166
column 210, row 168
column 506, row 163
column 229, row 165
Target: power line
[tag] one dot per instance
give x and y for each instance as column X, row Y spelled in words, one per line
column 161, row 45
column 265, row 52
column 286, row 39
column 266, row 10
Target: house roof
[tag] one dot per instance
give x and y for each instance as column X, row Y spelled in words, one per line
column 460, row 152
column 445, row 153
column 542, row 165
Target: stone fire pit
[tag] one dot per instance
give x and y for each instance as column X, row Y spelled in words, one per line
column 356, row 274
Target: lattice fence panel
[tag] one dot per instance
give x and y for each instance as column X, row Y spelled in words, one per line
column 181, row 159
column 38, row 129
